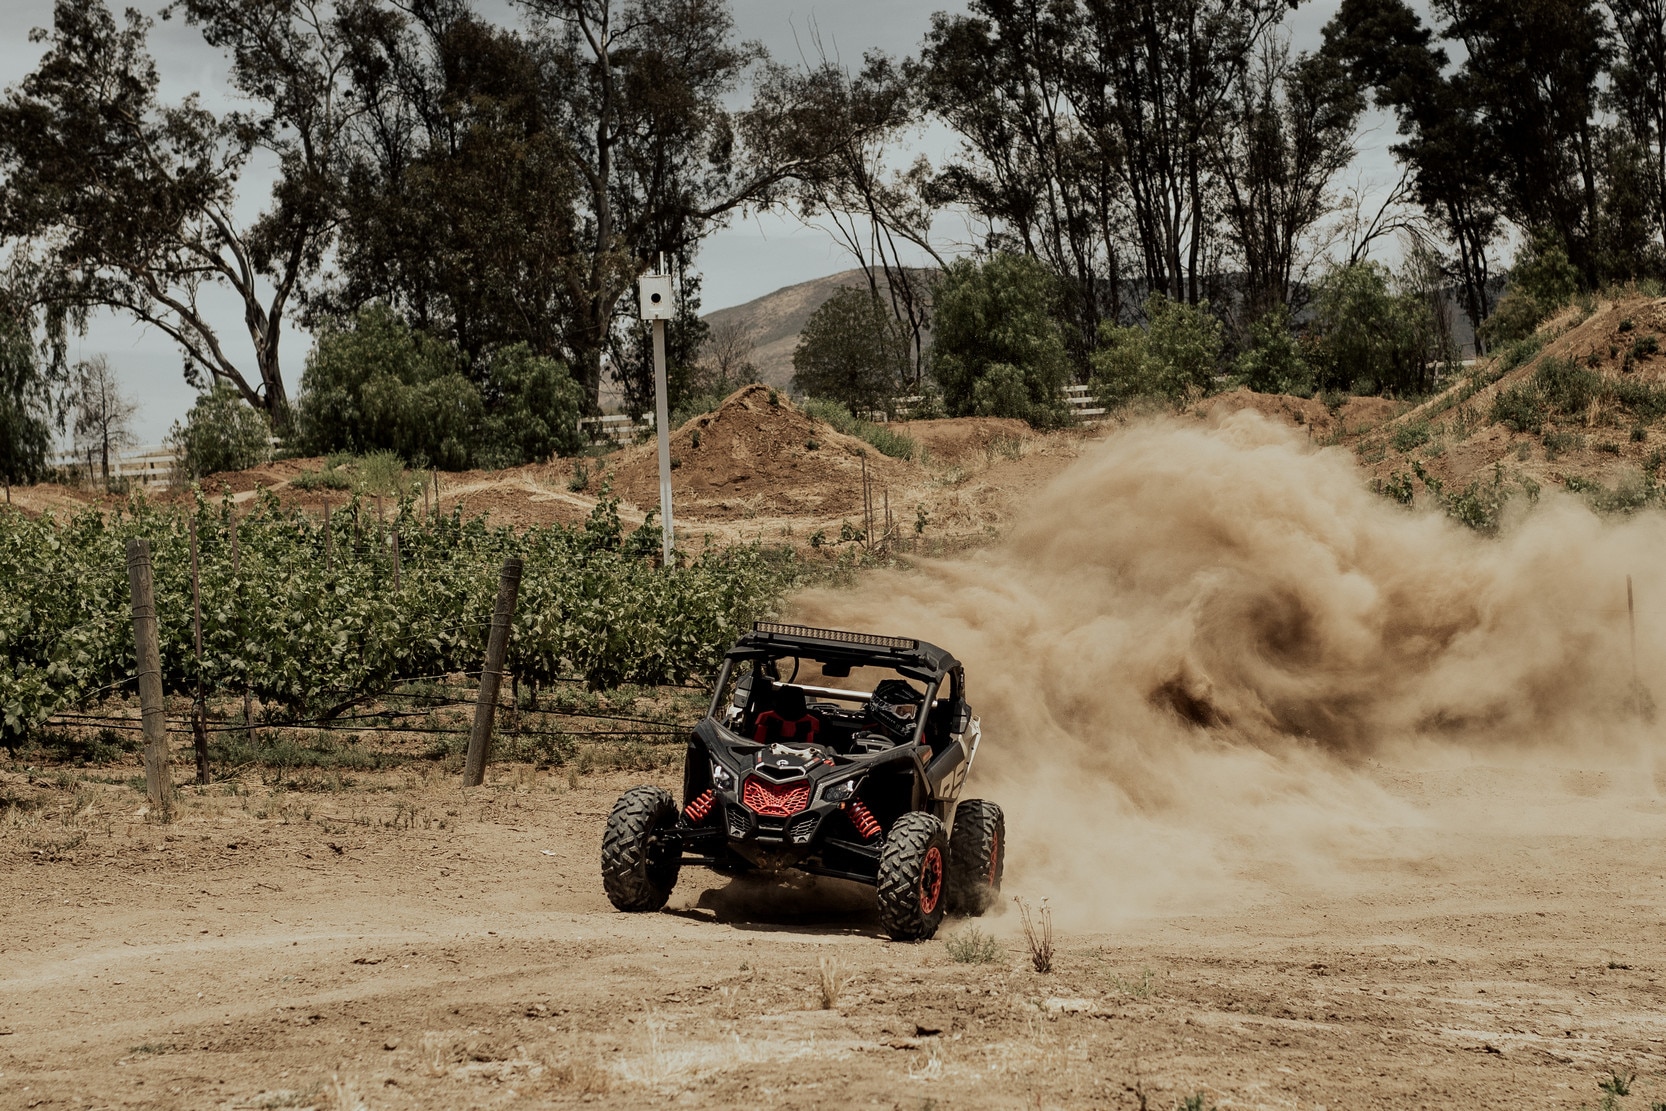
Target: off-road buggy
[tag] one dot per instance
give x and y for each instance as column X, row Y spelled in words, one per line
column 834, row 753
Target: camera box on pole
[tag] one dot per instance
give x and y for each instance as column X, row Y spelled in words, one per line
column 657, row 301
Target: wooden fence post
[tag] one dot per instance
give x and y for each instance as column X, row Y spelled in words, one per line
column 396, row 560
column 491, row 675
column 199, row 709
column 159, row 788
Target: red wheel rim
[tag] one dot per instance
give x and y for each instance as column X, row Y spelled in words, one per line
column 931, row 880
column 994, row 856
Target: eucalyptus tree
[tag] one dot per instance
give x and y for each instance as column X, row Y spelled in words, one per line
column 123, row 202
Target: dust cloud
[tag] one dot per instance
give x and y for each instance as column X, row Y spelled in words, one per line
column 1198, row 647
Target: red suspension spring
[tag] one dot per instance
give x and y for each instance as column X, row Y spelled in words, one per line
column 864, row 821
column 700, row 807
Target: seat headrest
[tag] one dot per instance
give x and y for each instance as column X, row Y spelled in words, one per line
column 789, row 703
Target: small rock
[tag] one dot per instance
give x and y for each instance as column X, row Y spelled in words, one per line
column 391, row 1044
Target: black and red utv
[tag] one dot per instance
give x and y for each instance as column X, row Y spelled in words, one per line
column 834, row 753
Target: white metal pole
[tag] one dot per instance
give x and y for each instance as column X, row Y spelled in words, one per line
column 662, row 425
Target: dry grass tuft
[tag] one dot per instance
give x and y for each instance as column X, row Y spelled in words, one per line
column 1038, row 934
column 973, row 946
column 581, row 1076
column 439, row 1054
column 832, row 982
column 341, row 1095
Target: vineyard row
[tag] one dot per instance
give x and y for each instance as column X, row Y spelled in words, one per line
column 318, row 613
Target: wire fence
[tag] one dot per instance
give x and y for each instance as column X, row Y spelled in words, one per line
column 382, row 715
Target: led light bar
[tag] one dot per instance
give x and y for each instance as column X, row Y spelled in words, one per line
column 835, row 636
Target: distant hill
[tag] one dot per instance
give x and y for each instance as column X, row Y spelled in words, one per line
column 774, row 321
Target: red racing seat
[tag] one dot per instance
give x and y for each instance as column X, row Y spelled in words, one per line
column 790, row 721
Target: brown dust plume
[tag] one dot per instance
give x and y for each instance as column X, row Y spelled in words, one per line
column 1198, row 639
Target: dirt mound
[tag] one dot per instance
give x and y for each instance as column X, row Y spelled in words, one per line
column 955, row 438
column 758, row 455
column 1354, row 415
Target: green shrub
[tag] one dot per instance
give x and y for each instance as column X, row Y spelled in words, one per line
column 1560, row 443
column 1519, row 352
column 1566, row 387
column 381, row 473
column 532, row 409
column 1368, row 339
column 1645, row 400
column 330, row 478
column 1519, row 407
column 1513, row 318
column 1413, row 435
column 1541, row 281
column 222, row 432
column 1175, row 356
column 998, row 317
column 376, row 384
column 1273, row 362
column 1000, row 392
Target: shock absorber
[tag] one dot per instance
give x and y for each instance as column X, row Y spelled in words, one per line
column 700, row 807
column 864, row 821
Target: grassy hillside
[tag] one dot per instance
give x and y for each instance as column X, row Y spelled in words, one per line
column 1581, row 405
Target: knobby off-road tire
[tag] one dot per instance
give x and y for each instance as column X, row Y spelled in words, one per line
column 977, row 857
column 638, row 872
column 913, row 877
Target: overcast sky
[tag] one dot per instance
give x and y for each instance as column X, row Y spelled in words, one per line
column 747, row 259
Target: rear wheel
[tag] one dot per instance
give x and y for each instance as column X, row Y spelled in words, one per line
column 977, row 857
column 913, row 877
column 638, row 868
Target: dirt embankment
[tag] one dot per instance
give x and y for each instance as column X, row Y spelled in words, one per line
column 1458, row 436
column 755, row 468
column 758, row 454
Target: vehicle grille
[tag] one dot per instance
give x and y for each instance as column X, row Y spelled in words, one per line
column 778, row 800
column 740, row 823
column 802, row 829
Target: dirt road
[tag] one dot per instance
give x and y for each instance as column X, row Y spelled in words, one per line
column 399, row 945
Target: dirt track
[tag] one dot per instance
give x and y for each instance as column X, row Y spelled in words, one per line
column 346, row 951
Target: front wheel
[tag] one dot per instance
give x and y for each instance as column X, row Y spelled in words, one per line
column 913, row 866
column 638, row 868
column 977, row 857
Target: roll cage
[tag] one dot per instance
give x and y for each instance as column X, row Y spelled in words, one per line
column 769, row 641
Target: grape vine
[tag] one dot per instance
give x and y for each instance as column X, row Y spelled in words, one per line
column 314, row 622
